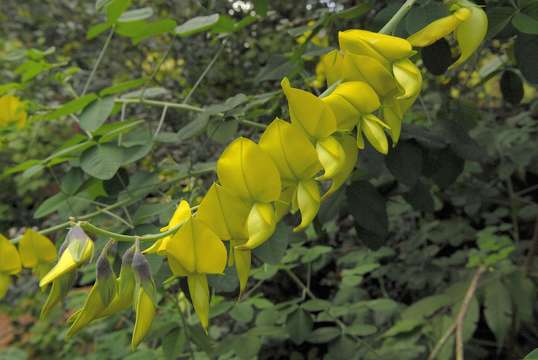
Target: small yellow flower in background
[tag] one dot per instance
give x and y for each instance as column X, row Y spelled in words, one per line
column 468, row 22
column 145, row 301
column 248, row 172
column 12, row 110
column 37, row 252
column 10, row 264
column 75, row 251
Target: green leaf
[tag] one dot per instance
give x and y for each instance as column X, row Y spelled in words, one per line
column 511, row 87
column 102, row 161
column 71, row 107
column 229, row 104
column 472, row 316
column 443, row 166
column 420, row 16
column 526, row 52
column 525, row 23
column 533, row 355
column 96, row 30
column 368, row 208
column 316, row 305
column 72, row 181
column 361, row 330
column 324, row 335
column 426, row 306
column 242, row 312
column 299, row 326
column 50, row 205
column 136, row 14
column 273, row 250
column 197, row 25
column 222, row 131
column 498, row 18
column 173, row 344
column 498, row 310
column 403, row 326
column 121, row 87
column 194, row 128
column 140, row 29
column 420, row 197
column 405, row 162
column 96, row 114
column 247, row 347
column 354, row 11
column 261, row 6
column 115, row 8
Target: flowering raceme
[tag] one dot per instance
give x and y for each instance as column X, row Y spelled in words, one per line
column 296, row 164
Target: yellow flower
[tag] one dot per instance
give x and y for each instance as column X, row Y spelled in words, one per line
column 329, row 68
column 373, row 128
column 246, row 171
column 227, row 214
column 75, row 251
column 350, row 147
column 182, row 214
column 384, row 48
column 469, row 24
column 37, row 252
column 297, row 161
column 194, row 251
column 316, row 119
column 12, row 110
column 10, row 264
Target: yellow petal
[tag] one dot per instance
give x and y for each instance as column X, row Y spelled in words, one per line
column 182, row 214
column 331, row 155
column 10, row 262
column 199, row 292
column 242, row 260
column 368, row 69
column 93, row 306
column 261, row 225
column 12, row 110
column 293, row 154
column 408, row 77
column 471, row 32
column 308, row 201
column 282, row 205
column 5, row 281
column 373, row 130
column 362, row 42
column 439, row 28
column 248, row 172
column 198, row 249
column 350, row 148
column 35, row 248
column 224, row 213
column 145, row 312
column 58, row 291
column 331, row 66
column 308, row 112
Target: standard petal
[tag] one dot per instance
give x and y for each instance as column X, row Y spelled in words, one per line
column 248, row 172
column 210, row 251
column 10, row 262
column 308, row 112
column 293, row 154
column 370, row 70
column 362, row 42
column 35, row 248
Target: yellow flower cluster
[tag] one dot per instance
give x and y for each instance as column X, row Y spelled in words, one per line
column 12, row 110
column 371, row 81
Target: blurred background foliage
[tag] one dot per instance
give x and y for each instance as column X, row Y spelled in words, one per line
column 384, row 269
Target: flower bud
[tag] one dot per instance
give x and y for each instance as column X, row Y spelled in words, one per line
column 78, row 250
column 145, row 299
column 350, row 148
column 126, row 284
column 58, row 291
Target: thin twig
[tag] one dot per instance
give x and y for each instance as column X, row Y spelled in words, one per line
column 457, row 325
column 529, row 260
column 204, row 73
column 97, row 62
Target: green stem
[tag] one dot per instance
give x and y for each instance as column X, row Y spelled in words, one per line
column 129, row 238
column 99, row 58
column 391, row 25
column 159, row 103
column 204, row 73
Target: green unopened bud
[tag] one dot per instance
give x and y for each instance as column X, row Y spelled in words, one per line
column 126, row 284
column 76, row 250
column 58, row 291
column 145, row 298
